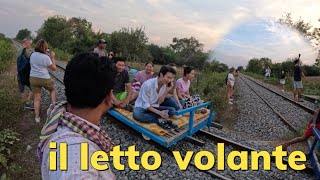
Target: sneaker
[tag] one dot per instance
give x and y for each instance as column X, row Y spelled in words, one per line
column 164, row 125
column 37, row 120
column 230, row 102
column 28, row 105
column 230, row 99
column 177, row 117
column 172, row 125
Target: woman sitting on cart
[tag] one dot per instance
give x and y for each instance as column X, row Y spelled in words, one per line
column 183, row 89
column 141, row 77
column 151, row 95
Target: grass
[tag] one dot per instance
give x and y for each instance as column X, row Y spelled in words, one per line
column 23, row 165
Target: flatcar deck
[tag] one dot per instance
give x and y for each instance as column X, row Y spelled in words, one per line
column 171, row 137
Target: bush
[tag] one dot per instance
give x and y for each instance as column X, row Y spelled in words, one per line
column 211, row 87
column 7, row 139
column 7, row 53
column 62, row 55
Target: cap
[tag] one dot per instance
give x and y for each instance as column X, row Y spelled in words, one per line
column 102, row 41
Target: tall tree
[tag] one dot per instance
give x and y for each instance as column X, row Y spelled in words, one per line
column 130, row 43
column 300, row 25
column 55, row 31
column 186, row 47
column 23, row 33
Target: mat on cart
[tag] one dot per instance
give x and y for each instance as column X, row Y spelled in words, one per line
column 155, row 128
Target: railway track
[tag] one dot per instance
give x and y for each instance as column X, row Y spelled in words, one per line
column 278, row 111
column 212, row 137
column 300, row 105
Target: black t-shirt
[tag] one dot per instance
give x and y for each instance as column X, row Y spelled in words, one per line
column 297, row 73
column 120, row 81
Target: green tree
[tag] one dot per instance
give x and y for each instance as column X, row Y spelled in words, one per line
column 23, row 33
column 131, row 44
column 55, row 31
column 216, row 66
column 186, row 47
column 300, row 25
column 157, row 54
column 240, row 68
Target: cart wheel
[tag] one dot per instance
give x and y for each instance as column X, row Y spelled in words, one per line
column 145, row 137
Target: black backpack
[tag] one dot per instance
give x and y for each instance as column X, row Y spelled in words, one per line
column 23, row 68
column 226, row 79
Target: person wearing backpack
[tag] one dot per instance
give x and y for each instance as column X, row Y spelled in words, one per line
column 42, row 60
column 23, row 72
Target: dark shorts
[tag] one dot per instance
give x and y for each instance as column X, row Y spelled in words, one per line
column 21, row 86
column 309, row 131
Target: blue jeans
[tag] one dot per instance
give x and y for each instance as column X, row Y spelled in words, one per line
column 147, row 116
column 171, row 102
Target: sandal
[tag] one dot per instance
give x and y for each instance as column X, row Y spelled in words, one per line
column 164, row 125
column 172, row 125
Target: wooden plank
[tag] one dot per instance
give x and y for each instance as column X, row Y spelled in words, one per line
column 185, row 129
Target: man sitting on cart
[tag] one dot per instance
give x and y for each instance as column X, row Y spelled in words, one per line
column 152, row 93
column 122, row 89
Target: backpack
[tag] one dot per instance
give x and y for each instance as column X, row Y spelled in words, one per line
column 23, row 68
column 226, row 79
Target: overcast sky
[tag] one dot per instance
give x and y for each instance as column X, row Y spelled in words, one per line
column 236, row 30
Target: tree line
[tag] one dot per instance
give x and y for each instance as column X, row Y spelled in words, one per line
column 75, row 35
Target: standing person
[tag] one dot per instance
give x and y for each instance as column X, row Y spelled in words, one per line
column 88, row 80
column 230, row 84
column 314, row 122
column 122, row 89
column 40, row 62
column 140, row 77
column 152, row 94
column 297, row 84
column 100, row 50
column 283, row 79
column 267, row 74
column 23, row 72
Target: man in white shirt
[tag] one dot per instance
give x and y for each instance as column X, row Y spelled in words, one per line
column 100, row 50
column 152, row 93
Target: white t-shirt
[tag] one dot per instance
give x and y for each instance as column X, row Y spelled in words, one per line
column 148, row 95
column 39, row 65
column 268, row 72
column 231, row 79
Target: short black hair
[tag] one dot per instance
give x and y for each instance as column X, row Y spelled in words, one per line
column 165, row 69
column 296, row 61
column 172, row 64
column 88, row 79
column 187, row 70
column 146, row 64
column 116, row 59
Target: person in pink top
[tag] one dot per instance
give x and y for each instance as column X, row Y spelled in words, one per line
column 183, row 92
column 140, row 77
column 183, row 84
